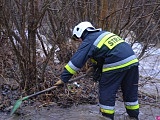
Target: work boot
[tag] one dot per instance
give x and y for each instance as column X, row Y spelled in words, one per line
column 130, row 118
column 108, row 116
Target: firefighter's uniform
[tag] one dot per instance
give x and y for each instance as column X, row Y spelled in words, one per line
column 119, row 64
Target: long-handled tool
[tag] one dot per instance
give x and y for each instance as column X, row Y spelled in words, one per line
column 19, row 102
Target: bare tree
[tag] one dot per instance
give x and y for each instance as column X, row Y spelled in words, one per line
column 20, row 25
column 24, row 22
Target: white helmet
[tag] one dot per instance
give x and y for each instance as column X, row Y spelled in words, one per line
column 81, row 27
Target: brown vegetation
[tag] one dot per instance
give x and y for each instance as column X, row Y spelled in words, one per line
column 25, row 23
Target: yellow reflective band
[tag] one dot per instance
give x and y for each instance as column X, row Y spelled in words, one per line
column 133, row 107
column 93, row 61
column 107, row 111
column 70, row 70
column 104, row 40
column 113, row 41
column 120, row 66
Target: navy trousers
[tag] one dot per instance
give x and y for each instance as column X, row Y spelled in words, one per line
column 109, row 84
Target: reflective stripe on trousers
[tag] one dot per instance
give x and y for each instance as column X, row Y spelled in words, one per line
column 107, row 109
column 132, row 105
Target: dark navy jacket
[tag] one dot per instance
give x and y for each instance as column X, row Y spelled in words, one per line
column 101, row 46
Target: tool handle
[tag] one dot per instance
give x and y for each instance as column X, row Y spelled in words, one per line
column 53, row 87
column 77, row 78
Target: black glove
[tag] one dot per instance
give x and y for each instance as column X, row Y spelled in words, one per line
column 97, row 74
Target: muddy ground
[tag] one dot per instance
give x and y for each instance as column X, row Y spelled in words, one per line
column 80, row 112
column 74, row 102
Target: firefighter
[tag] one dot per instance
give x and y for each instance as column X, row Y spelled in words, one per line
column 117, row 62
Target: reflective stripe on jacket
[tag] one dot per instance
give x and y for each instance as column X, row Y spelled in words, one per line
column 111, row 40
column 115, row 53
column 120, row 64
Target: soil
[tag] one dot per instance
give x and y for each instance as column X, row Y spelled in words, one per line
column 80, row 112
column 71, row 102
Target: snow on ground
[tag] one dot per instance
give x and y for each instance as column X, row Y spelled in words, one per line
column 149, row 63
column 149, row 70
